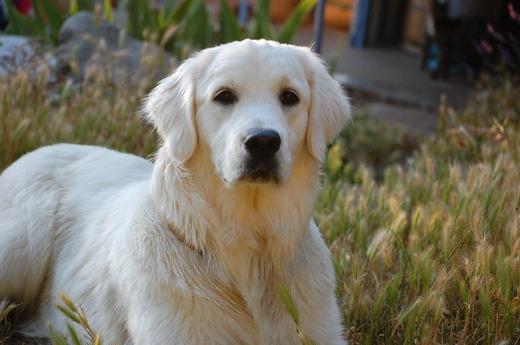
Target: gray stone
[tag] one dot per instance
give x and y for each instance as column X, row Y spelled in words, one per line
column 15, row 51
column 87, row 46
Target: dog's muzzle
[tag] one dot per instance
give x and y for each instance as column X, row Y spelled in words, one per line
column 261, row 165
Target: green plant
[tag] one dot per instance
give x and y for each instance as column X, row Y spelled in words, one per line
column 76, row 316
column 188, row 26
column 293, row 311
column 429, row 253
column 5, row 325
column 47, row 21
column 34, row 113
column 178, row 27
column 367, row 142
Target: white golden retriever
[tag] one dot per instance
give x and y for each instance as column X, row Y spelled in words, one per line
column 192, row 248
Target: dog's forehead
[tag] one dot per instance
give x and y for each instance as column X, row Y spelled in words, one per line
column 256, row 62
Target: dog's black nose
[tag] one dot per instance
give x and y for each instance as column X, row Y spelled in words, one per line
column 262, row 143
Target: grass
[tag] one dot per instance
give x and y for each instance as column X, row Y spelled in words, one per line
column 76, row 316
column 5, row 324
column 426, row 237
column 98, row 112
column 431, row 253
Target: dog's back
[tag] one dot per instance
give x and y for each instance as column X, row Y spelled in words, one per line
column 40, row 194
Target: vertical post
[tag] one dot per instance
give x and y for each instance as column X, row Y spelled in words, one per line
column 242, row 12
column 359, row 28
column 318, row 26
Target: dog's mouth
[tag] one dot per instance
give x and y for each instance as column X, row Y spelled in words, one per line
column 260, row 172
column 261, row 176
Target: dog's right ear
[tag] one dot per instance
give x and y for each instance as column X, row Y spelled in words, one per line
column 170, row 107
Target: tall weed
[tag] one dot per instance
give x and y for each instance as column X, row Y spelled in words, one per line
column 430, row 254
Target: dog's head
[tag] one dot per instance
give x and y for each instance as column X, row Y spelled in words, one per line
column 254, row 104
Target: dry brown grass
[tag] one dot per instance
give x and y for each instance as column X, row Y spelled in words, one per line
column 428, row 253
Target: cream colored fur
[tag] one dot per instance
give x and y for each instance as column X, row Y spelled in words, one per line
column 184, row 251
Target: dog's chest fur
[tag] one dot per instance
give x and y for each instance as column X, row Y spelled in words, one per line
column 246, row 240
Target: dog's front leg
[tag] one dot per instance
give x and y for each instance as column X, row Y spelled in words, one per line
column 165, row 316
column 313, row 289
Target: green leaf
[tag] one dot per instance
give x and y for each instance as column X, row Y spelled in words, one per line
column 54, row 17
column 133, row 19
column 138, row 18
column 486, row 305
column 85, row 5
column 69, row 313
column 73, row 7
column 6, row 311
column 229, row 27
column 181, row 12
column 79, row 5
column 263, row 27
column 198, row 29
column 73, row 334
column 107, row 11
column 168, row 21
column 295, row 20
column 20, row 24
column 59, row 339
column 165, row 15
column 289, row 303
column 38, row 20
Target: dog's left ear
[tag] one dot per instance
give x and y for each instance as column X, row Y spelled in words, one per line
column 329, row 110
column 170, row 107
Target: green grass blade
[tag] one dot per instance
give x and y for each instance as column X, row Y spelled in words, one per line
column 59, row 339
column 69, row 313
column 73, row 334
column 229, row 27
column 169, row 9
column 263, row 27
column 107, row 11
column 20, row 24
column 289, row 303
column 198, row 29
column 85, row 5
column 54, row 16
column 295, row 20
column 73, row 7
column 181, row 11
column 137, row 12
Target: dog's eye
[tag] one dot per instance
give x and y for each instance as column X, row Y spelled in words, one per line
column 225, row 97
column 289, row 97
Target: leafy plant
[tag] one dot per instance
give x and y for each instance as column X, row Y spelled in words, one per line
column 177, row 27
column 80, row 5
column 294, row 21
column 189, row 24
column 47, row 21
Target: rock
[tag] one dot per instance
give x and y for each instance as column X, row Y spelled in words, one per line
column 85, row 48
column 15, row 52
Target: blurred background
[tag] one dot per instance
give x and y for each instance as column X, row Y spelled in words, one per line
column 420, row 204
